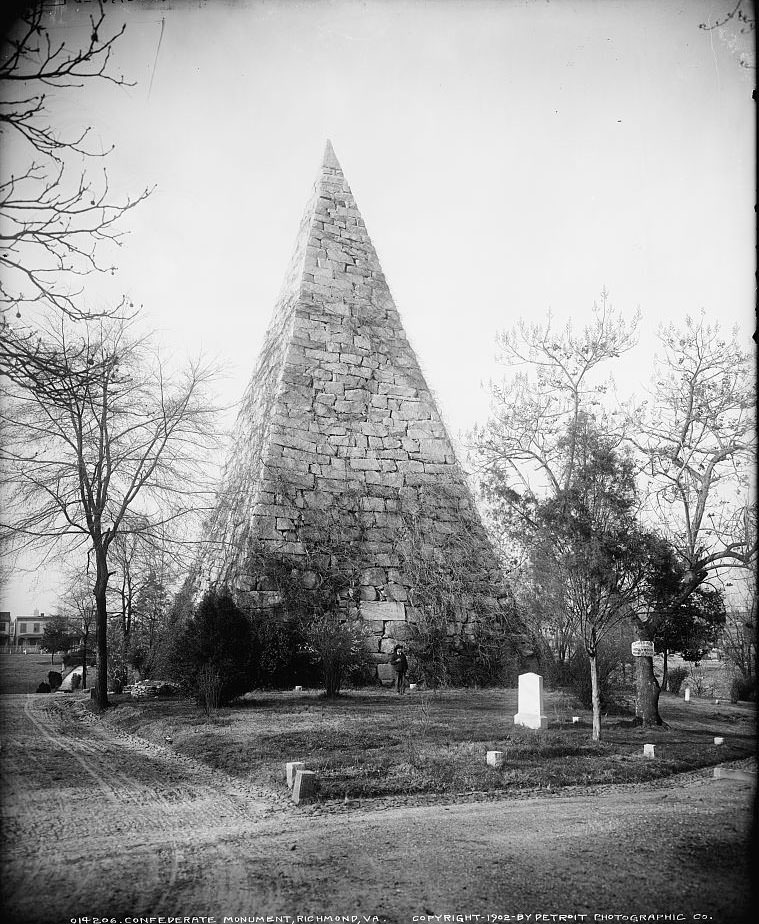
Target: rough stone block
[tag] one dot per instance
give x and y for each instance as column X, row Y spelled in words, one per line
column 366, row 465
column 375, row 577
column 304, row 788
column 291, row 768
column 397, row 592
column 264, row 599
column 433, row 450
column 400, row 631
column 383, row 609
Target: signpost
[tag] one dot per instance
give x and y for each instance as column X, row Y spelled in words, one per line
column 643, row 649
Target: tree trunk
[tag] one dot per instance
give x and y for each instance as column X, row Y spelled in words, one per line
column 648, row 688
column 84, row 660
column 101, row 625
column 332, row 681
column 595, row 697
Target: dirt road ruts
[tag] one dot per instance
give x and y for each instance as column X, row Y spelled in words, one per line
column 103, row 824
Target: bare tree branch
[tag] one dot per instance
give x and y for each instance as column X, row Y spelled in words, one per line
column 58, row 221
column 104, row 442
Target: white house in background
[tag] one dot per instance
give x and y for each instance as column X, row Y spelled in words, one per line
column 26, row 631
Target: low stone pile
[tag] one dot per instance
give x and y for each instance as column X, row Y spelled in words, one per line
column 143, row 689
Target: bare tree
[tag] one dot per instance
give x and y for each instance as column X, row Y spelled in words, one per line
column 528, row 449
column 696, row 443
column 102, row 441
column 589, row 551
column 523, row 445
column 58, row 218
column 79, row 607
column 148, row 563
column 741, row 19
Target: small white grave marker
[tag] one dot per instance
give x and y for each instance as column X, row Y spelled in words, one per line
column 298, row 689
column 291, row 769
column 719, row 741
column 530, row 712
column 687, row 694
column 304, row 787
column 412, row 686
column 575, row 719
column 649, row 750
column 494, row 759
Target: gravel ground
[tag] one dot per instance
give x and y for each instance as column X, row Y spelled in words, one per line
column 101, row 824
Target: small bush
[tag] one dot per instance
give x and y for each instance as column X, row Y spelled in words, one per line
column 743, row 689
column 578, row 677
column 675, row 678
column 340, row 646
column 700, row 682
column 281, row 656
column 217, row 638
column 483, row 658
column 55, row 679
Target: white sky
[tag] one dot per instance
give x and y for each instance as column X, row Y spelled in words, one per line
column 507, row 157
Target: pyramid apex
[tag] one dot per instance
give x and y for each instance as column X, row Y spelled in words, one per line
column 330, row 159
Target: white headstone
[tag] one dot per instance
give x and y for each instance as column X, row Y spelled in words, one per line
column 575, row 719
column 412, row 686
column 304, row 787
column 494, row 758
column 649, row 750
column 530, row 712
column 687, row 694
column 291, row 769
column 298, row 689
column 719, row 741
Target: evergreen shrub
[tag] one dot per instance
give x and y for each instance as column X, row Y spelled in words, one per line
column 675, row 678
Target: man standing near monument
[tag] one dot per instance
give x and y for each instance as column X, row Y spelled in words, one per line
column 399, row 663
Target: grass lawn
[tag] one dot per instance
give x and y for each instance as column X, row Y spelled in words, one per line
column 374, row 743
column 23, row 673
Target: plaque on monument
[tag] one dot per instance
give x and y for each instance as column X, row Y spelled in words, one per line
column 643, row 649
column 530, row 712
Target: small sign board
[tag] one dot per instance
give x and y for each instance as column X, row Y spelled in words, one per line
column 643, row 649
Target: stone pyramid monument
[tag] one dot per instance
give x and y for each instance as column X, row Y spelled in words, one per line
column 341, row 469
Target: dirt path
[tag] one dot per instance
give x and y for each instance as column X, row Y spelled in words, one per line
column 103, row 824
